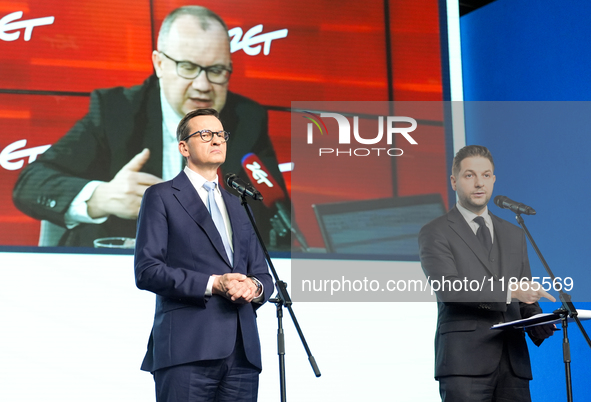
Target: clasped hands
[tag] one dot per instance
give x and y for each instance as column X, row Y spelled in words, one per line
column 238, row 288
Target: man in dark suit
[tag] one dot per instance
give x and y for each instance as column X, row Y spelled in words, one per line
column 196, row 249
column 473, row 362
column 92, row 180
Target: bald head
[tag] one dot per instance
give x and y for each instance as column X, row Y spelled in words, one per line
column 195, row 38
column 202, row 16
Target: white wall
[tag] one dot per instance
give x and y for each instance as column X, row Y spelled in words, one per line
column 75, row 328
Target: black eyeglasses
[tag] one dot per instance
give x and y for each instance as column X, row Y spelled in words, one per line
column 207, row 135
column 188, row 70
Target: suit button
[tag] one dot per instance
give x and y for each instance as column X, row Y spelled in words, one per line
column 52, row 204
column 492, row 260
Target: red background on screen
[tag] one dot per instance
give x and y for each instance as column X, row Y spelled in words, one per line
column 41, row 120
column 333, row 52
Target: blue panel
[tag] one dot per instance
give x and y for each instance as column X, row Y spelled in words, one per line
column 525, row 50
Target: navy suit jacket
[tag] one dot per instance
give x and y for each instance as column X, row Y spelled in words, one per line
column 177, row 249
column 464, row 342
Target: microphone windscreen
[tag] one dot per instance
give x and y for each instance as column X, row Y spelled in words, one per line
column 261, row 179
column 229, row 179
column 499, row 199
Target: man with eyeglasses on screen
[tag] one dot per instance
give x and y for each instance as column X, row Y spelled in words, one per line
column 92, row 180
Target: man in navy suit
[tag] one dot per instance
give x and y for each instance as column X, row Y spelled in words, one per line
column 196, row 249
column 472, row 362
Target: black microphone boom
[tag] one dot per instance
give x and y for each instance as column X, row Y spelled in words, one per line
column 242, row 187
column 505, row 202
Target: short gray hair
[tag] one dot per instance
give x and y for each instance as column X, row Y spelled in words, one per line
column 204, row 15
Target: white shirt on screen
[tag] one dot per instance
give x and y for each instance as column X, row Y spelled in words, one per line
column 172, row 162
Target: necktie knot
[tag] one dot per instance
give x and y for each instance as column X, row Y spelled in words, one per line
column 479, row 219
column 209, row 185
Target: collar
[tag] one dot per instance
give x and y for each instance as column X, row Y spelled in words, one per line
column 469, row 215
column 197, row 180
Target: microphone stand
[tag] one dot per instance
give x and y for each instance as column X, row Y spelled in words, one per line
column 282, row 299
column 567, row 310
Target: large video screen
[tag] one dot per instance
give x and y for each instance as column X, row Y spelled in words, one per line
column 55, row 54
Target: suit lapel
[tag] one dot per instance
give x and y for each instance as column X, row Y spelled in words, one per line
column 504, row 242
column 147, row 127
column 153, row 130
column 459, row 225
column 192, row 203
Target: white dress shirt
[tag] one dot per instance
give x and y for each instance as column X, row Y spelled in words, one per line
column 197, row 181
column 469, row 217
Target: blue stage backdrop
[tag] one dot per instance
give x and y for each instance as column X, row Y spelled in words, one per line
column 529, row 52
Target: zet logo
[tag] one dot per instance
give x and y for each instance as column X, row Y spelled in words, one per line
column 345, row 134
column 11, row 157
column 9, row 23
column 252, row 39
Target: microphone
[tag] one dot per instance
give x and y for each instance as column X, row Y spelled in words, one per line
column 505, row 202
column 243, row 188
column 262, row 180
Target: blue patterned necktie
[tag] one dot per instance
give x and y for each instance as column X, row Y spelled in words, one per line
column 216, row 215
column 483, row 233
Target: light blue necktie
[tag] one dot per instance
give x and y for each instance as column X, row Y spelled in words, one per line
column 216, row 215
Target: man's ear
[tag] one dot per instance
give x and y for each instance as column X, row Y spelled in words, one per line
column 184, row 149
column 157, row 62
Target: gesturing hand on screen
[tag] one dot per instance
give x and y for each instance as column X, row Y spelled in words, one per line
column 122, row 196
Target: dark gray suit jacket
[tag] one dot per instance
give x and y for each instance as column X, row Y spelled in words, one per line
column 119, row 124
column 464, row 343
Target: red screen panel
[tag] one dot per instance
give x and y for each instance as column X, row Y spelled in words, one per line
column 338, row 58
column 337, row 176
column 330, row 52
column 90, row 44
column 416, row 50
column 28, row 122
column 280, row 133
